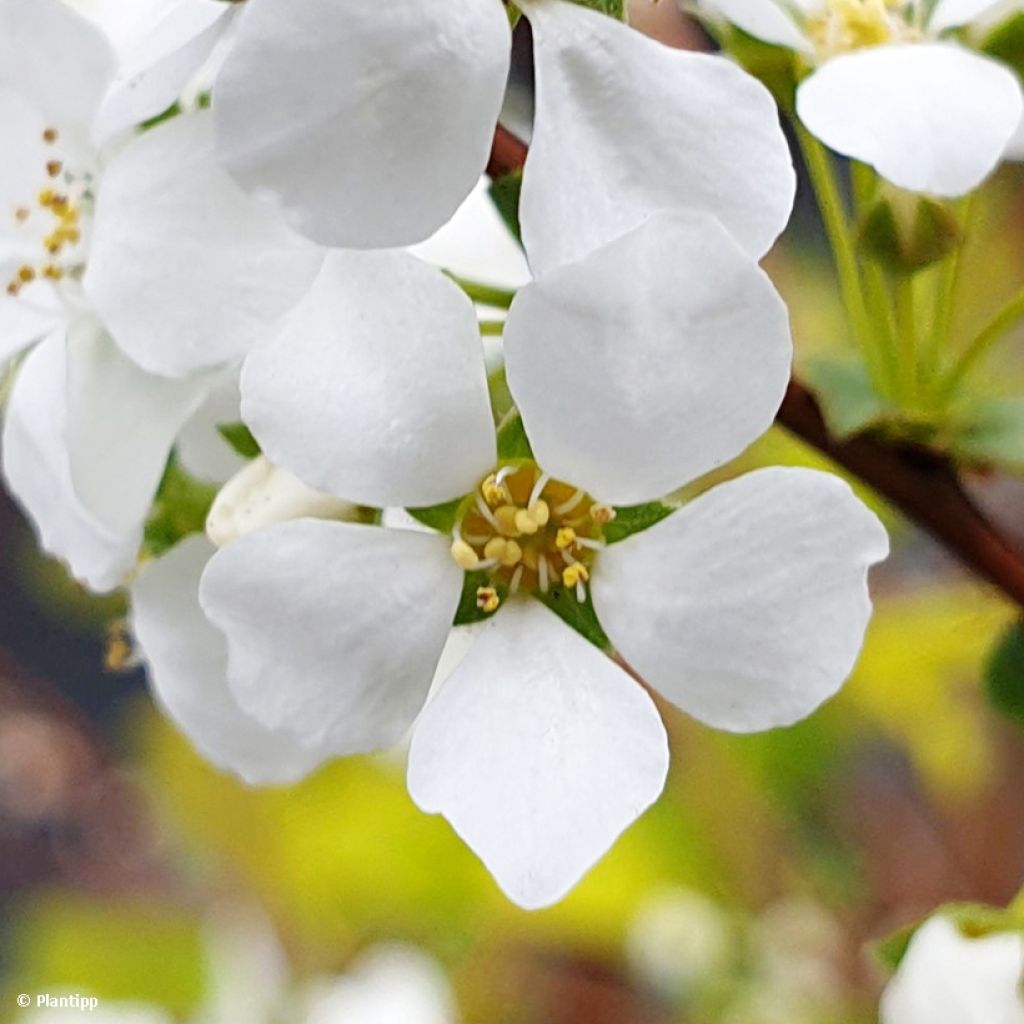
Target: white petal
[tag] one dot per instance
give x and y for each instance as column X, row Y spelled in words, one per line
column 930, row 118
column 539, row 751
column 334, row 630
column 187, row 659
column 953, row 13
column 58, row 61
column 667, row 129
column 369, row 123
column 374, row 388
column 391, row 984
column 747, row 608
column 947, row 978
column 21, row 324
column 650, row 362
column 121, row 426
column 203, row 451
column 764, row 19
column 161, row 45
column 477, row 244
column 185, row 270
column 38, row 473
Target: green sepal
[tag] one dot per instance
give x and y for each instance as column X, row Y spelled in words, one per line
column 635, row 519
column 992, row 434
column 907, row 233
column 512, row 440
column 974, row 921
column 180, row 509
column 1006, row 43
column 580, row 617
column 848, row 397
column 613, row 8
column 439, row 517
column 505, row 193
column 468, row 613
column 1004, row 674
column 239, row 436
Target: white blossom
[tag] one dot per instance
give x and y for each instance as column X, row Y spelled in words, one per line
column 947, row 977
column 369, row 124
column 891, row 85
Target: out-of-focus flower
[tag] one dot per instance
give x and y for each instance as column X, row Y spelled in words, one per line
column 947, row 977
column 131, row 263
column 370, row 127
column 890, row 87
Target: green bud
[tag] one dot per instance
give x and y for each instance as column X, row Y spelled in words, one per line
column 907, row 232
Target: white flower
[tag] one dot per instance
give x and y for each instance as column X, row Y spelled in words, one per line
column 131, row 261
column 948, row 978
column 653, row 360
column 892, row 88
column 370, row 123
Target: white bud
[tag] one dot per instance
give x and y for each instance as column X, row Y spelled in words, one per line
column 262, row 494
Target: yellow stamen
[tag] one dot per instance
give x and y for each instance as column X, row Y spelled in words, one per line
column 50, row 136
column 512, row 555
column 487, row 599
column 465, row 557
column 525, row 523
column 575, row 573
column 565, row 538
column 541, row 512
column 602, row 514
column 53, row 168
column 493, row 492
column 26, row 274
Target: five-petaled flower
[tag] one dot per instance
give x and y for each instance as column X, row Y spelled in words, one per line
column 637, row 369
column 890, row 85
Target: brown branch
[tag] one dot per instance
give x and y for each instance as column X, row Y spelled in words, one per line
column 921, row 483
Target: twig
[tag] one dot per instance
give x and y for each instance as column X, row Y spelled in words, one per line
column 921, row 483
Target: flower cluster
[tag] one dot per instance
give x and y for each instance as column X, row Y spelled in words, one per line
column 548, row 563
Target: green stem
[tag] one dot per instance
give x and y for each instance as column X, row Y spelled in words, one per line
column 834, row 216
column 492, row 328
column 485, row 294
column 994, row 331
column 945, row 301
column 906, row 324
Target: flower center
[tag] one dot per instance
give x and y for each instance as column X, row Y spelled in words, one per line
column 529, row 533
column 53, row 223
column 848, row 25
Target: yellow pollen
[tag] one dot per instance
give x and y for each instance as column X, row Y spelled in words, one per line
column 565, row 538
column 465, row 557
column 512, row 555
column 495, row 548
column 525, row 523
column 53, row 168
column 52, row 272
column 493, row 492
column 506, row 517
column 47, row 198
column 53, row 243
column 487, row 599
column 602, row 514
column 26, row 274
column 50, row 136
column 575, row 573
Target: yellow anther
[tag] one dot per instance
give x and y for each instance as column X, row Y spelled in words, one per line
column 512, row 554
column 53, row 243
column 540, row 512
column 53, row 168
column 602, row 514
column 465, row 557
column 506, row 517
column 47, row 198
column 487, row 599
column 575, row 573
column 525, row 523
column 60, row 206
column 493, row 492
column 13, row 288
column 50, row 136
column 565, row 538
column 495, row 548
column 52, row 273
column 26, row 274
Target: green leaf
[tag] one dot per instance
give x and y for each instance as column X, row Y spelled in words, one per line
column 613, row 8
column 907, row 233
column 239, row 436
column 1006, row 43
column 512, row 440
column 847, row 395
column 1004, row 674
column 180, row 509
column 635, row 519
column 580, row 617
column 505, row 193
column 994, row 433
column 438, row 517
